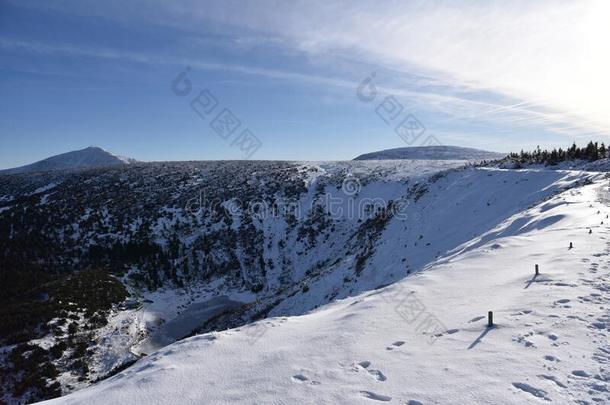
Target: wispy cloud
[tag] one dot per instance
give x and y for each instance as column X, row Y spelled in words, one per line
column 546, row 62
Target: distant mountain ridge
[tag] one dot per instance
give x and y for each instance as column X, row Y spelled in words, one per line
column 432, row 153
column 78, row 159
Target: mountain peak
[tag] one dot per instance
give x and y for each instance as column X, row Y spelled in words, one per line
column 92, row 156
column 436, row 152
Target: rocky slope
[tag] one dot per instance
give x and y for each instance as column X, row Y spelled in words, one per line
column 78, row 159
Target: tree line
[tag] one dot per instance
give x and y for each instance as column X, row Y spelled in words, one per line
column 592, row 152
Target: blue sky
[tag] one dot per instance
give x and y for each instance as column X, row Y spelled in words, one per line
column 494, row 75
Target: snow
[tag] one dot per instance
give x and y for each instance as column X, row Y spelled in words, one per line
column 455, row 209
column 125, row 159
column 433, row 153
column 192, row 317
column 424, row 339
column 388, row 170
column 44, row 188
column 44, row 199
column 163, row 316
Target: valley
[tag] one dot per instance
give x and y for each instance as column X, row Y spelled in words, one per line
column 248, row 252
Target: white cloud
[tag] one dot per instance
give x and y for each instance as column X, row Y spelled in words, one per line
column 551, row 57
column 551, row 54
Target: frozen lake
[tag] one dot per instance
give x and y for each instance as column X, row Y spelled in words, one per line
column 193, row 317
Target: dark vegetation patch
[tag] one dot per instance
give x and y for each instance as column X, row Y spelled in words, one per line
column 30, row 373
column 26, row 316
column 69, row 307
column 592, row 152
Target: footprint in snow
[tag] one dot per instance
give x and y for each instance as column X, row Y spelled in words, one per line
column 376, row 397
column 561, row 284
column 599, row 387
column 553, row 379
column 520, row 313
column 580, row 373
column 522, row 339
column 563, row 301
column 599, row 325
column 530, row 338
column 447, row 332
column 395, row 345
column 537, row 392
column 378, row 375
column 549, row 357
column 300, row 378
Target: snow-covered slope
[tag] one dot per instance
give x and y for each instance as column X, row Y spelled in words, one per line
column 424, row 338
column 432, row 153
column 78, row 159
column 181, row 236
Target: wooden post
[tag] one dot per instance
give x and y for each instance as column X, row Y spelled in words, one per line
column 537, row 272
column 490, row 319
column 571, row 245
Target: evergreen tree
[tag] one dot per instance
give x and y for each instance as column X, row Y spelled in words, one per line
column 593, row 151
